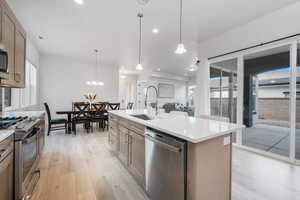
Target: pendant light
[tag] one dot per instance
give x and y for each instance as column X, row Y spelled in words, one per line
column 180, row 48
column 139, row 65
column 94, row 82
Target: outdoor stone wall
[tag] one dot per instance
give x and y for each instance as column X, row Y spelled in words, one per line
column 276, row 109
column 268, row 109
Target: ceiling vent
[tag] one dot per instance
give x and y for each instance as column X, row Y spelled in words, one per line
column 143, row 2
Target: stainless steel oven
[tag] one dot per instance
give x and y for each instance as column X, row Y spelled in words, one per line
column 26, row 157
column 6, row 169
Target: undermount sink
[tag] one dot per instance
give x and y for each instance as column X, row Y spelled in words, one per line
column 142, row 116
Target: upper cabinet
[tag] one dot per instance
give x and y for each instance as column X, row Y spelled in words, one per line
column 13, row 37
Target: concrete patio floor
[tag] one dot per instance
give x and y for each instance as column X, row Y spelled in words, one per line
column 270, row 138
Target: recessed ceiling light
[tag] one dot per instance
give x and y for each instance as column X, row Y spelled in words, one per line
column 158, row 69
column 123, row 76
column 80, row 2
column 155, row 30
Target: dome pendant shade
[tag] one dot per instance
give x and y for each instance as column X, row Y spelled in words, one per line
column 139, row 67
column 180, row 49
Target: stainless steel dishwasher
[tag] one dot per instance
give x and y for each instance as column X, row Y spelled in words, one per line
column 165, row 166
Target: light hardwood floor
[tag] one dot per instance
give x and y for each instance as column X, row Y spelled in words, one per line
column 82, row 168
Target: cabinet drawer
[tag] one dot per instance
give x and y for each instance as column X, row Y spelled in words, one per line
column 123, row 129
column 124, row 122
column 137, row 128
column 7, row 142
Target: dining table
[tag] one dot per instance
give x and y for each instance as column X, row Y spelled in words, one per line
column 69, row 114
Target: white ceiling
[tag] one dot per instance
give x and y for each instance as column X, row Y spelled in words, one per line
column 72, row 30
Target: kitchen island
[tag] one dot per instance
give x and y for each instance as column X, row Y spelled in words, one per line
column 207, row 161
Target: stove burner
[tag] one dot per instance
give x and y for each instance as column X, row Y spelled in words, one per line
column 7, row 122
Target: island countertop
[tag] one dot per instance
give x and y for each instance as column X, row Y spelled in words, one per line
column 191, row 129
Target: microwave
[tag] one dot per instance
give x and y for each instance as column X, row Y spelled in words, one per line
column 3, row 64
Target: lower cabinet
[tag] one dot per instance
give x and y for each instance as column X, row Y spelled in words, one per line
column 124, row 149
column 113, row 141
column 137, row 156
column 129, row 144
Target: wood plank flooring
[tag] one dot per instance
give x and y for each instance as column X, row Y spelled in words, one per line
column 82, row 168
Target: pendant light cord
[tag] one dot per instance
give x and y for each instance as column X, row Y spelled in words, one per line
column 140, row 15
column 96, row 52
column 180, row 23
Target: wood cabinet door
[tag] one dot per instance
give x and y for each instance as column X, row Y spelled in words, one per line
column 137, row 155
column 113, row 140
column 8, row 40
column 20, row 57
column 123, row 153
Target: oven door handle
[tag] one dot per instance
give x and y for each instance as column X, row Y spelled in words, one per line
column 30, row 139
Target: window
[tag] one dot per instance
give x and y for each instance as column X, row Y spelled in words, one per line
column 19, row 98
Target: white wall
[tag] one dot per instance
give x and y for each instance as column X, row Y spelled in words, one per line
column 32, row 53
column 63, row 80
column 128, row 90
column 281, row 23
column 180, row 90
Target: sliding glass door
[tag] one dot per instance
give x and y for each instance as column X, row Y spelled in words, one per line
column 267, row 101
column 223, row 89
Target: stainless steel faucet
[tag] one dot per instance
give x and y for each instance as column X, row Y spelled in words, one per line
column 146, row 99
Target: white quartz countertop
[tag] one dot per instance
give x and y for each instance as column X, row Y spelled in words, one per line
column 191, row 129
column 5, row 134
column 23, row 113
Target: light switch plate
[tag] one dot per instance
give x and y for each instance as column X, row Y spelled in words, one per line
column 227, row 140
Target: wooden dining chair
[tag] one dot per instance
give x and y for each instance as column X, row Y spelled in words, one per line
column 129, row 106
column 81, row 116
column 77, row 103
column 55, row 124
column 100, row 114
column 114, row 106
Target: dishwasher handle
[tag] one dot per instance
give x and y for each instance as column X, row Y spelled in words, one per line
column 165, row 145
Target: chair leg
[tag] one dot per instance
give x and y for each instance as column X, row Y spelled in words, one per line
column 103, row 125
column 74, row 127
column 49, row 129
column 66, row 128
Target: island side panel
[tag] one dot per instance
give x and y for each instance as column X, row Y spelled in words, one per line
column 209, row 169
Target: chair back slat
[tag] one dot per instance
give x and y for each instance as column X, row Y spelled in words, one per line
column 99, row 106
column 114, row 106
column 77, row 102
column 129, row 106
column 82, row 109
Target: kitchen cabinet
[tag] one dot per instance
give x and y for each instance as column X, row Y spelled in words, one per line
column 6, row 169
column 13, row 38
column 137, row 155
column 124, row 147
column 130, row 142
column 20, row 52
column 8, row 40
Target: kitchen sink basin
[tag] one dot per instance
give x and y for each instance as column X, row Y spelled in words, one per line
column 142, row 116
